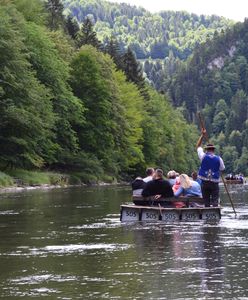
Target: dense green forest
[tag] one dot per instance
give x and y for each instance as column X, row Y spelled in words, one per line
column 68, row 105
column 147, row 34
column 199, row 61
column 215, row 81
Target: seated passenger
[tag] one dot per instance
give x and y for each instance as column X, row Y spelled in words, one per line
column 241, row 178
column 149, row 175
column 188, row 187
column 158, row 187
column 172, row 175
column 176, row 186
column 194, row 176
column 137, row 186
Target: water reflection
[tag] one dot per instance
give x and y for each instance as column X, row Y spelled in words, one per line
column 69, row 244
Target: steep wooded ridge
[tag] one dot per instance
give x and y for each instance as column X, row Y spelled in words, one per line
column 147, row 34
column 66, row 106
column 215, row 81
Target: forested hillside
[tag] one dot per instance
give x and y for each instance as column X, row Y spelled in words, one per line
column 65, row 105
column 147, row 34
column 215, row 81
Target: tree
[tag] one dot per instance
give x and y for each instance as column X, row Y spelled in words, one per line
column 33, row 11
column 230, row 155
column 53, row 72
column 89, row 80
column 72, row 27
column 133, row 71
column 87, row 36
column 27, row 119
column 113, row 49
column 55, row 14
column 241, row 164
column 219, row 122
column 235, row 139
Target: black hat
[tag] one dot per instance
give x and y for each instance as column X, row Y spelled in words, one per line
column 209, row 146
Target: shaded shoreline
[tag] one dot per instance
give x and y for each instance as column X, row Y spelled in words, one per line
column 16, row 189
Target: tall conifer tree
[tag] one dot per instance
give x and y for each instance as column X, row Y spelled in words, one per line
column 56, row 18
column 134, row 72
column 87, row 35
column 113, row 49
column 72, row 27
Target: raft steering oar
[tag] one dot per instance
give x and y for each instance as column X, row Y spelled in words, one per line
column 206, row 137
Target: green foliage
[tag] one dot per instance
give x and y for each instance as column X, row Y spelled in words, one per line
column 55, row 14
column 85, row 112
column 53, row 72
column 5, row 180
column 33, row 178
column 25, row 106
column 148, row 35
column 87, row 36
column 214, row 80
column 33, row 11
column 72, row 27
column 168, row 140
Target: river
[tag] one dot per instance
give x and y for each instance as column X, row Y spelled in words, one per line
column 68, row 243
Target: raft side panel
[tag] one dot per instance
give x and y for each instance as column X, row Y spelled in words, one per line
column 211, row 214
column 130, row 214
column 190, row 214
column 150, row 215
column 170, row 215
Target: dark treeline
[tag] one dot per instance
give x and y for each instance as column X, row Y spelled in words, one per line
column 215, row 81
column 147, row 34
column 69, row 103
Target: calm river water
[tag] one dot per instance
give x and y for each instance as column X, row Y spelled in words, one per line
column 69, row 244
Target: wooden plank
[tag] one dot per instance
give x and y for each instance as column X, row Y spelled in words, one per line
column 211, row 214
column 150, row 215
column 129, row 214
column 190, row 214
column 170, row 215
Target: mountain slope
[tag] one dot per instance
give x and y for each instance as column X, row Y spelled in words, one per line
column 149, row 35
column 215, row 81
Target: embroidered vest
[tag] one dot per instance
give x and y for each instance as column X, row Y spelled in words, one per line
column 210, row 168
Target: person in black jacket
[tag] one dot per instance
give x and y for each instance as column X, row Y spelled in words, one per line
column 158, row 187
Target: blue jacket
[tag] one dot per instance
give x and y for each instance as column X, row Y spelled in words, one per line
column 194, row 190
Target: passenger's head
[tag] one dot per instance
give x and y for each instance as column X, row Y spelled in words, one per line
column 210, row 148
column 172, row 174
column 149, row 171
column 194, row 175
column 158, row 174
column 185, row 181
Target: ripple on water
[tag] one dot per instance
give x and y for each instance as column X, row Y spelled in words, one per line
column 8, row 212
column 66, row 249
column 35, row 279
column 109, row 223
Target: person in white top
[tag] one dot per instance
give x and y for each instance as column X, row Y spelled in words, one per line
column 209, row 172
column 149, row 174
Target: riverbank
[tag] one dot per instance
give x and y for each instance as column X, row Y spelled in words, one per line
column 20, row 180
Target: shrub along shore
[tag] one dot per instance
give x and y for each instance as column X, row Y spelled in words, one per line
column 24, row 178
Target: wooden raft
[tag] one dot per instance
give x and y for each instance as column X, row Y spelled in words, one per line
column 134, row 212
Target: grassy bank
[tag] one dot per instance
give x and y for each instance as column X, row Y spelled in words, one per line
column 24, row 178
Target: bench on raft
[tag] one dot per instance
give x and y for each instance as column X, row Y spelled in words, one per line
column 149, row 209
column 151, row 201
column 234, row 181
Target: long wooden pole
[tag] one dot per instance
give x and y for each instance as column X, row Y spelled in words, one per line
column 207, row 138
